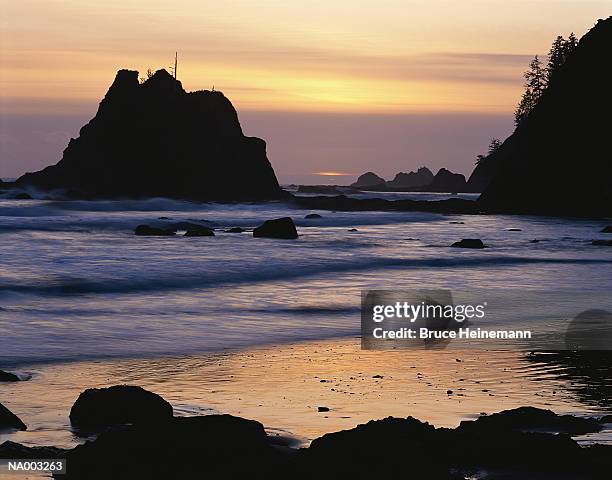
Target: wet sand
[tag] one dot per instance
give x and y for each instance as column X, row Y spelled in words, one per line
column 283, row 386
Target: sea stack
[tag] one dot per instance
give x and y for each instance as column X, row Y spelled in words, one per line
column 558, row 161
column 153, row 138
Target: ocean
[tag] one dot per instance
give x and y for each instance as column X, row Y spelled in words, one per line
column 85, row 302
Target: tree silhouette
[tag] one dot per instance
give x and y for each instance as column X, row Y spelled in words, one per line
column 535, row 85
column 556, row 56
column 493, row 147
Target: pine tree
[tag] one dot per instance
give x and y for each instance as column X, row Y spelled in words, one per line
column 556, row 56
column 535, row 85
column 570, row 45
column 494, row 146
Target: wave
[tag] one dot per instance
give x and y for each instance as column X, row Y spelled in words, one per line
column 206, row 279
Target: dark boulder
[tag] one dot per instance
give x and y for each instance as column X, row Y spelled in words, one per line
column 382, row 448
column 200, row 232
column 23, row 196
column 97, row 408
column 15, row 450
column 602, row 243
column 322, row 409
column 548, row 156
column 8, row 420
column 146, row 230
column 214, row 446
column 154, row 139
column 311, row 216
column 469, row 243
column 277, row 228
column 8, row 377
column 235, row 230
column 531, row 418
column 369, row 180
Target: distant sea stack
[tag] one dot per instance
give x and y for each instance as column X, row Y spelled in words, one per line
column 155, row 139
column 447, row 181
column 559, row 159
column 369, row 180
column 422, row 177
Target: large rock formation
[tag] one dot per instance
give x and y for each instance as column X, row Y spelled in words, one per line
column 155, row 139
column 369, row 179
column 447, row 181
column 559, row 161
column 421, row 178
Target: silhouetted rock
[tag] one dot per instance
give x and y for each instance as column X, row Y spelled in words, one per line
column 235, row 230
column 447, row 181
column 12, row 450
column 531, row 418
column 353, row 230
column 607, row 229
column 311, row 216
column 200, row 232
column 23, row 196
column 211, row 446
column 421, row 178
column 369, row 180
column 8, row 377
column 557, row 161
column 277, row 228
column 155, row 139
column 8, row 420
column 322, row 409
column 98, row 408
column 390, row 448
column 153, row 231
column 602, row 243
column 469, row 243
column 227, row 447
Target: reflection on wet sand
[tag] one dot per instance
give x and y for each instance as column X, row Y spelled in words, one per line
column 283, row 386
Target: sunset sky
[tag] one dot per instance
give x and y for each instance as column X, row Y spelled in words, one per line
column 333, row 86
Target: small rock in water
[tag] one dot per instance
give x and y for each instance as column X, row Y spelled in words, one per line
column 163, row 218
column 323, row 409
column 449, row 392
column 602, row 243
column 535, row 240
column 147, row 230
column 23, row 196
column 278, row 228
column 200, row 232
column 607, row 229
column 514, row 230
column 456, row 223
column 469, row 243
column 353, row 230
column 8, row 377
column 235, row 230
column 378, row 376
column 312, row 215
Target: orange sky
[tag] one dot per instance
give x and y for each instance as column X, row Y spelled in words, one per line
column 388, row 56
column 338, row 86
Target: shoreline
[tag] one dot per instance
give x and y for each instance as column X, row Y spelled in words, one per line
column 282, row 386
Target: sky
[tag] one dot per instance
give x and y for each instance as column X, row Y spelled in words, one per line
column 335, row 86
